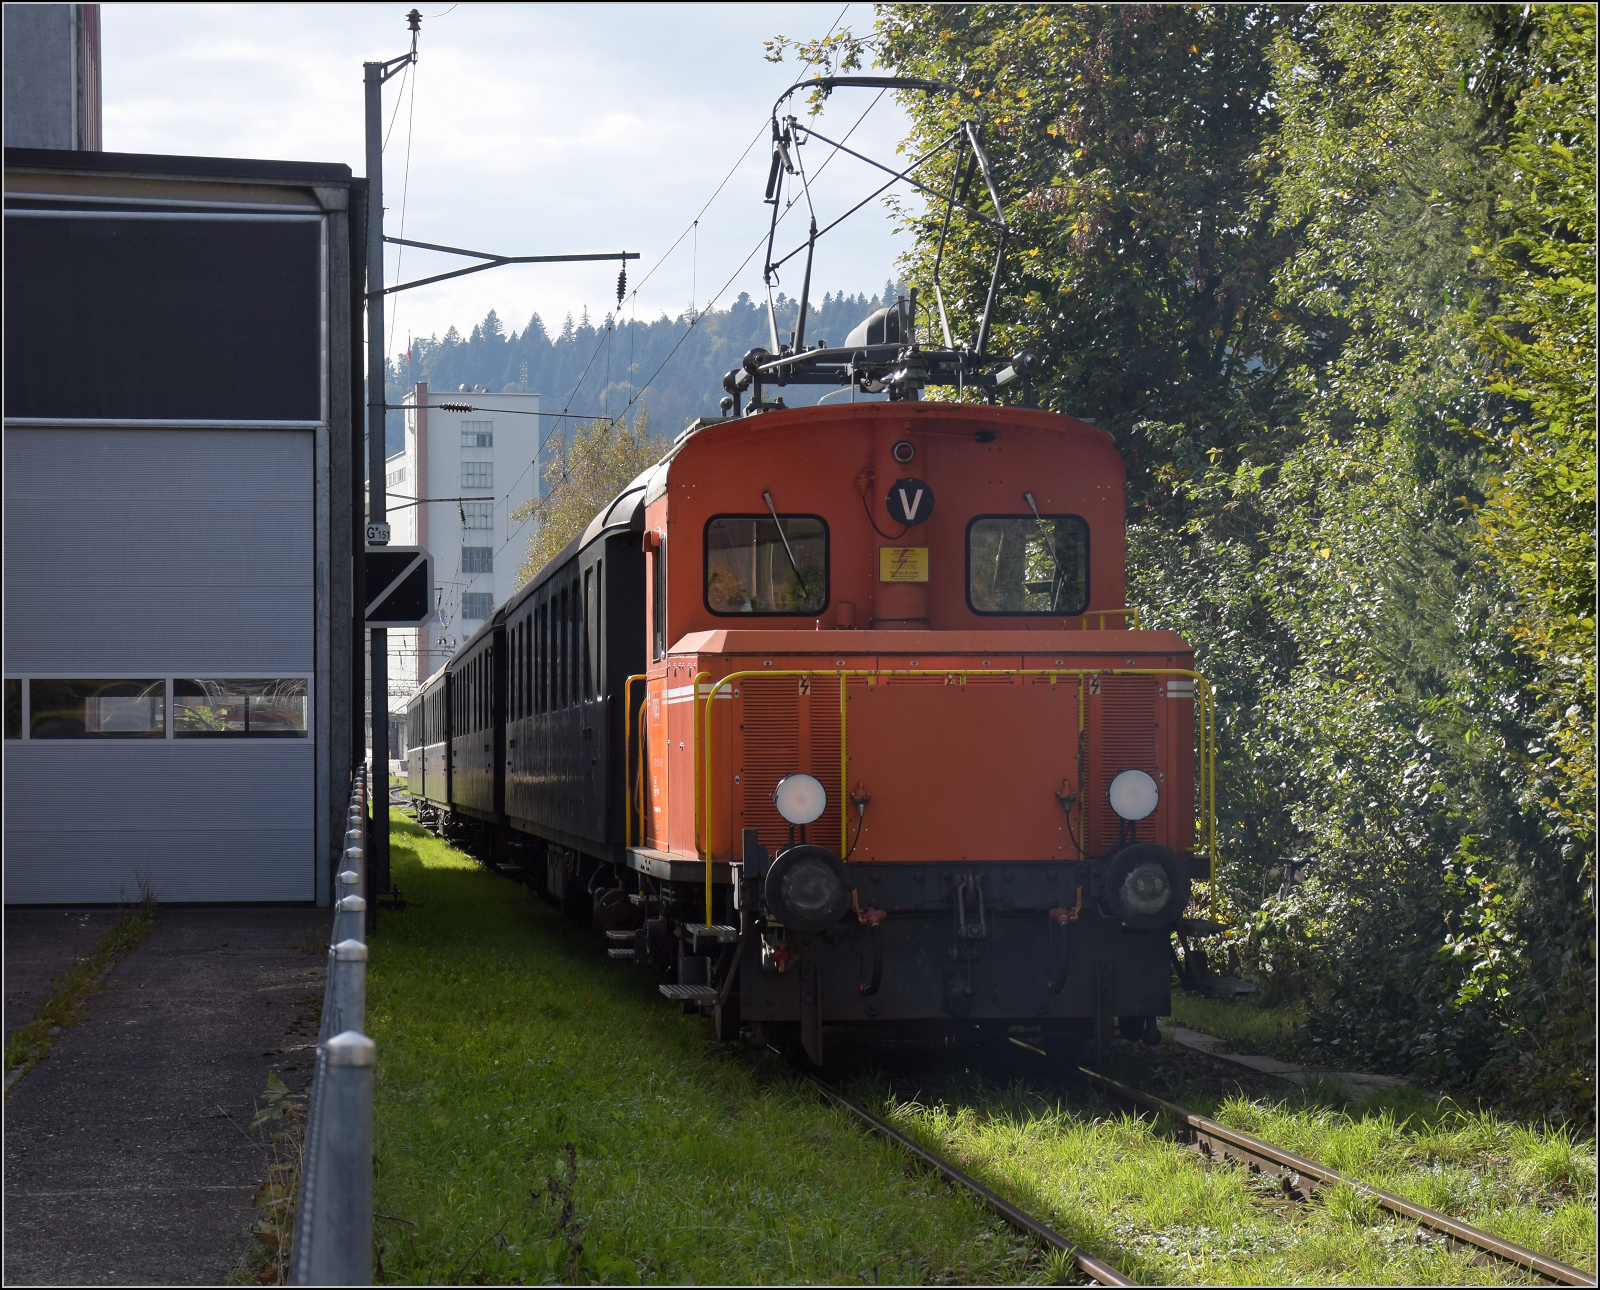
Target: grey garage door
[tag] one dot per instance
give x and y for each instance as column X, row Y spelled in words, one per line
column 180, row 562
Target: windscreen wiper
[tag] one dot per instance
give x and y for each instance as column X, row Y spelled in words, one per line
column 1056, row 575
column 767, row 498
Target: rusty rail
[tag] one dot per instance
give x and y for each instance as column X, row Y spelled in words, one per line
column 1231, row 1144
column 1096, row 1269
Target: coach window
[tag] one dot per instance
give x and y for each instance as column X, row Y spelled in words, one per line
column 1022, row 564
column 756, row 564
column 97, row 709
column 540, row 651
column 213, row 708
column 586, row 630
column 562, row 650
column 522, row 668
column 13, row 708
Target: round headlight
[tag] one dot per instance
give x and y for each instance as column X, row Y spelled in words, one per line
column 1133, row 795
column 800, row 798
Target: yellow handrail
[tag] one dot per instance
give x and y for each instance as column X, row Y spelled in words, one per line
column 1206, row 771
column 627, row 796
column 694, row 719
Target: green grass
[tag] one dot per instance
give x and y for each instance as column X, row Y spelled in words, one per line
column 1532, row 1184
column 504, row 1033
column 1247, row 1025
column 1126, row 1191
column 31, row 1043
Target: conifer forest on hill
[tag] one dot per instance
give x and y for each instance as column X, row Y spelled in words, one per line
column 1327, row 275
column 596, row 368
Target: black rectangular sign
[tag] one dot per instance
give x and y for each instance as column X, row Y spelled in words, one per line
column 399, row 586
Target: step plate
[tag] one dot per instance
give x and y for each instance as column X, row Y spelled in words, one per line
column 719, row 932
column 690, row 993
column 625, row 955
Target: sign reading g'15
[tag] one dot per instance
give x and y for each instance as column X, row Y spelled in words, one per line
column 399, row 586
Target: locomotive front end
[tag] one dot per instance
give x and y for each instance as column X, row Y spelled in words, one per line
column 970, row 809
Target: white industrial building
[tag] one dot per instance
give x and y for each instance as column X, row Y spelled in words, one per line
column 454, row 489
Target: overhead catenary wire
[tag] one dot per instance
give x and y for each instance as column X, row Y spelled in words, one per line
column 696, row 318
column 606, row 334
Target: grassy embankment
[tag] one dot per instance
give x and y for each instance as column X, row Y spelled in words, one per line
column 504, row 1034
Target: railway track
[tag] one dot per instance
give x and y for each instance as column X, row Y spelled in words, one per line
column 1302, row 1177
column 1096, row 1269
column 1215, row 1141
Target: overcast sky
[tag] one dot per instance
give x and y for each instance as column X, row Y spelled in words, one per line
column 532, row 129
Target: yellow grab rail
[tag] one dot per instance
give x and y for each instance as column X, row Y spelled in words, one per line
column 1206, row 738
column 627, row 746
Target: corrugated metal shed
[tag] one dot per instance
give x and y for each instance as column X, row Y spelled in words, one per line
column 181, row 478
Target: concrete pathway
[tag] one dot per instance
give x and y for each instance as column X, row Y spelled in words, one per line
column 129, row 1158
column 1294, row 1072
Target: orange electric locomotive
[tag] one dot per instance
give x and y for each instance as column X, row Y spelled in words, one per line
column 837, row 717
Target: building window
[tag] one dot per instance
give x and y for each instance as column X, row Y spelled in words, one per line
column 478, row 515
column 232, row 708
column 477, row 434
column 396, row 477
column 477, row 605
column 477, row 559
column 97, row 709
column 13, row 709
column 477, row 474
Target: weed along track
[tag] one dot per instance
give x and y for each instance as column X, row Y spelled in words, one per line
column 1303, row 1177
column 1097, row 1270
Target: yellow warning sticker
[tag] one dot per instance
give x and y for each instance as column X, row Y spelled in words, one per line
column 902, row 564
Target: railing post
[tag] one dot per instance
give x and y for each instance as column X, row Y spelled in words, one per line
column 347, row 987
column 349, row 920
column 333, row 1231
column 333, row 1245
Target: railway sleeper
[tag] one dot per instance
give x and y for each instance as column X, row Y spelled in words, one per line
column 1294, row 1185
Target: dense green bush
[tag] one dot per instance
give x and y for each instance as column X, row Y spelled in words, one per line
column 1320, row 272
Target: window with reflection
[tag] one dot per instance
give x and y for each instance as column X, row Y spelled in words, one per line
column 231, row 708
column 13, row 708
column 111, row 709
column 759, row 565
column 1020, row 564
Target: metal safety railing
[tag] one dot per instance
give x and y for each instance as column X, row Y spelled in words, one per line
column 1205, row 736
column 333, row 1232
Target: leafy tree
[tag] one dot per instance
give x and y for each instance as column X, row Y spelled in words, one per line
column 582, row 477
column 1538, row 520
column 1244, row 244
